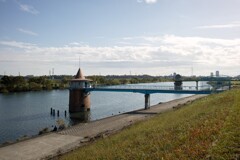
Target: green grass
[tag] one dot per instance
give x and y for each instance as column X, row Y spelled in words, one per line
column 207, row 128
column 235, row 84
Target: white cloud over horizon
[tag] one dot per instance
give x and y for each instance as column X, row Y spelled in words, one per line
column 166, row 53
column 235, row 24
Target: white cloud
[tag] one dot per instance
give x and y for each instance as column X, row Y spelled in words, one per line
column 147, row 1
column 74, row 44
column 163, row 53
column 28, row 8
column 220, row 26
column 20, row 45
column 27, row 32
column 150, row 1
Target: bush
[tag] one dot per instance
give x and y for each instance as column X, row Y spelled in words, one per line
column 43, row 131
column 3, row 90
column 61, row 124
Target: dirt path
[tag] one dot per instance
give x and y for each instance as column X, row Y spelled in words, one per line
column 52, row 144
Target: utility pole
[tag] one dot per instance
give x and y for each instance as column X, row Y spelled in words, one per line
column 52, row 73
column 192, row 71
column 79, row 61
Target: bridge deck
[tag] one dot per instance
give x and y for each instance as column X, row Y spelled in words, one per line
column 144, row 89
column 150, row 91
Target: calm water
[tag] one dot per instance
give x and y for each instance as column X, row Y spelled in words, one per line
column 27, row 113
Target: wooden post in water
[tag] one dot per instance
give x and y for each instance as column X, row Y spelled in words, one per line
column 147, row 101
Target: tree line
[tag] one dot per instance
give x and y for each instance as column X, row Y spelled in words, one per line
column 23, row 84
column 119, row 80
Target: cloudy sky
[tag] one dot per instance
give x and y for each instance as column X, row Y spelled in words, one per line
column 156, row 37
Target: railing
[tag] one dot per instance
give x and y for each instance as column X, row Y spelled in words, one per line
column 154, row 87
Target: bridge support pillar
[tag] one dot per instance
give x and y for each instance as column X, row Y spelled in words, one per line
column 229, row 85
column 147, row 101
column 196, row 85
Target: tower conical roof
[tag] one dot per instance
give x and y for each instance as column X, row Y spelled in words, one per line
column 79, row 75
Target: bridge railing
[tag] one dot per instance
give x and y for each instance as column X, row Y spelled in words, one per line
column 154, row 87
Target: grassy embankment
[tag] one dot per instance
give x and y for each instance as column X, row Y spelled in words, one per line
column 208, row 128
column 235, row 84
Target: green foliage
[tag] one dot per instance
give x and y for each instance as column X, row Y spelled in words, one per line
column 118, row 80
column 227, row 146
column 235, row 84
column 13, row 83
column 21, row 84
column 6, row 80
column 33, row 86
column 3, row 90
column 112, row 82
column 207, row 128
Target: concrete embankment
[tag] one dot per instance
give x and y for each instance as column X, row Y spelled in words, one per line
column 50, row 145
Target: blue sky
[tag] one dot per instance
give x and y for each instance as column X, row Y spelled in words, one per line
column 156, row 37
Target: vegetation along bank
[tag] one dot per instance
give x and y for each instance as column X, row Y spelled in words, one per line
column 31, row 83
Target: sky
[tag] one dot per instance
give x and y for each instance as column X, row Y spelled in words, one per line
column 111, row 37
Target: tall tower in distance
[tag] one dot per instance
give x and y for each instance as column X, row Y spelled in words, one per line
column 211, row 74
column 79, row 99
column 217, row 73
column 52, row 73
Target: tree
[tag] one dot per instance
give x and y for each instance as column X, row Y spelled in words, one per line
column 35, row 86
column 6, row 80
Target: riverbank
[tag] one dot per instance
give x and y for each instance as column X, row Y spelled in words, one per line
column 205, row 129
column 55, row 143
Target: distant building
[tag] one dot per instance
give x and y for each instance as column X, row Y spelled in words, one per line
column 29, row 76
column 217, row 73
column 174, row 74
column 211, row 74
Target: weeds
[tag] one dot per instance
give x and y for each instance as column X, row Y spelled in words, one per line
column 43, row 131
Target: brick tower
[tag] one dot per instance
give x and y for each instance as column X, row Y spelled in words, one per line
column 79, row 99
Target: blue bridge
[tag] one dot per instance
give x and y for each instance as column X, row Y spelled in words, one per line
column 80, row 88
column 151, row 89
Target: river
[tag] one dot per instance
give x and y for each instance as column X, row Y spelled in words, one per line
column 27, row 113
